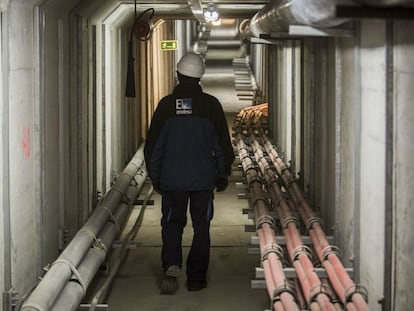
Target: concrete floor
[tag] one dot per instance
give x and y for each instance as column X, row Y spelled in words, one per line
column 136, row 286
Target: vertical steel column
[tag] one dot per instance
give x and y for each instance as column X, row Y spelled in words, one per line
column 39, row 137
column 5, row 143
column 338, row 113
column 357, row 153
column 389, row 170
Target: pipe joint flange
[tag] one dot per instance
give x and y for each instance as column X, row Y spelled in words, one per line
column 302, row 250
column 354, row 290
column 278, row 291
column 311, row 222
column 330, row 250
column 316, row 291
column 265, row 219
column 285, row 223
column 272, row 248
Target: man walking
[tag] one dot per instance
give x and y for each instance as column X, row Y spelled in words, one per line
column 188, row 154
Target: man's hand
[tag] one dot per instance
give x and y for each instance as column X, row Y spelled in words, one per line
column 221, row 184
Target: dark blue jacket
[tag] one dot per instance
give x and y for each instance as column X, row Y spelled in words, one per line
column 188, row 145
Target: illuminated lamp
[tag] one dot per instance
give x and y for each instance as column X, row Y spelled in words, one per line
column 211, row 14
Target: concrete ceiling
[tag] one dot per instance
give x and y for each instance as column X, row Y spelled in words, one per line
column 178, row 9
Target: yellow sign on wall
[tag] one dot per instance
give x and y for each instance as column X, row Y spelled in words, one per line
column 168, row 45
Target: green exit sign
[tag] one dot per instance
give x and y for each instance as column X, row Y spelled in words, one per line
column 169, row 45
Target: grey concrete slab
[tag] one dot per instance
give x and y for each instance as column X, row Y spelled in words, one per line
column 136, row 286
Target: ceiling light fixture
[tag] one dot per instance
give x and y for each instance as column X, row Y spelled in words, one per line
column 211, row 14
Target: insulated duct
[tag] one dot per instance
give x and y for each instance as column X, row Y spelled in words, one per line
column 379, row 3
column 86, row 250
column 279, row 14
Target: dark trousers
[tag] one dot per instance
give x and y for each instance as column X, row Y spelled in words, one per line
column 173, row 221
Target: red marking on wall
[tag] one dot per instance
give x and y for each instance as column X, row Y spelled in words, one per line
column 26, row 143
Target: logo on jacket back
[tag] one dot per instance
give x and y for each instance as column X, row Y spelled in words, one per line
column 183, row 106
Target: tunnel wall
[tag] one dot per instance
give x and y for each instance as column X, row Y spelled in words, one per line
column 356, row 119
column 403, row 197
column 62, row 98
column 373, row 146
column 67, row 128
column 303, row 114
column 21, row 179
column 374, row 214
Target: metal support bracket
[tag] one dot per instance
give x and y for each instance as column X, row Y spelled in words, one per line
column 10, row 300
column 129, row 245
column 97, row 307
column 140, row 202
column 290, row 273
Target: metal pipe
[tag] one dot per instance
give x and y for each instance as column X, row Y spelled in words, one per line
column 278, row 15
column 72, row 294
column 386, row 3
column 49, row 288
column 102, row 292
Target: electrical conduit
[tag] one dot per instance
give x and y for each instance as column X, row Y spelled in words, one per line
column 279, row 291
column 353, row 296
column 300, row 254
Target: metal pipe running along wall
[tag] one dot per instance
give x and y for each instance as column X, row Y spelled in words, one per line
column 86, row 251
column 340, row 292
column 278, row 15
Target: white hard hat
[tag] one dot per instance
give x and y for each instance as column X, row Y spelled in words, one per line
column 191, row 65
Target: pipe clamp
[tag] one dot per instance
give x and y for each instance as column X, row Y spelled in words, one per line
column 272, row 248
column 300, row 250
column 265, row 219
column 311, row 222
column 285, row 222
column 355, row 289
column 285, row 288
column 329, row 250
column 74, row 271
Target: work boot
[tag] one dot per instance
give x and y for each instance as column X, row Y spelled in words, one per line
column 169, row 283
column 196, row 285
